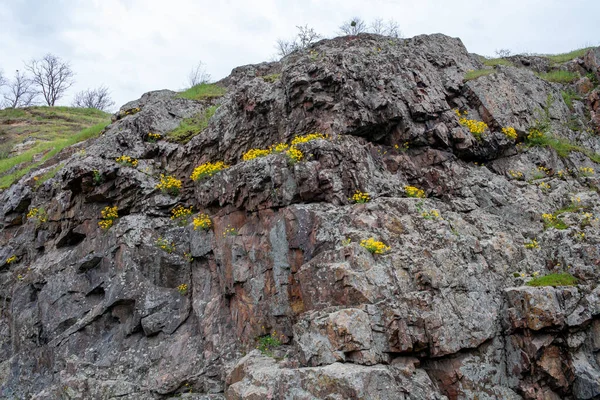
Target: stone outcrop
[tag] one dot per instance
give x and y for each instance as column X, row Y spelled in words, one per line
column 445, row 314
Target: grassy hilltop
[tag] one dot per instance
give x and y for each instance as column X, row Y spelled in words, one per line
column 30, row 136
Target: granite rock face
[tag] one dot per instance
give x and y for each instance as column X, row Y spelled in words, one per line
column 444, row 314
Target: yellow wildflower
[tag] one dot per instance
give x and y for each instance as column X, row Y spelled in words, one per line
column 360, row 197
column 169, row 184
column 202, row 221
column 374, row 246
column 510, row 132
column 207, row 170
column 412, row 191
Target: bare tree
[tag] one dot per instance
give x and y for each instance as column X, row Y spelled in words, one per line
column 2, row 79
column 305, row 37
column 52, row 76
column 19, row 92
column 393, row 29
column 198, row 75
column 94, row 98
column 377, row 26
column 353, row 26
column 502, row 53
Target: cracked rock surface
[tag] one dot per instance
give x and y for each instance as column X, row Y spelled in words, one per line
column 444, row 314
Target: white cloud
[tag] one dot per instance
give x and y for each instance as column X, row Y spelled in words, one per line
column 134, row 46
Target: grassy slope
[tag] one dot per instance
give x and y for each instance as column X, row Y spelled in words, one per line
column 52, row 128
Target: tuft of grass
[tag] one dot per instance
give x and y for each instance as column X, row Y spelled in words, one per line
column 492, row 62
column 562, row 279
column 48, row 175
column 564, row 57
column 563, row 147
column 568, row 97
column 191, row 127
column 470, row 75
column 563, row 77
column 203, row 91
column 271, row 78
column 48, row 148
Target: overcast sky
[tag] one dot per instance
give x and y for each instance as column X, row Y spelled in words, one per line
column 134, row 46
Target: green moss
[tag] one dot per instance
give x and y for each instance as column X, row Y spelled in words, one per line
column 564, row 57
column 203, row 91
column 492, row 62
column 470, row 75
column 563, row 279
column 559, row 76
column 191, row 127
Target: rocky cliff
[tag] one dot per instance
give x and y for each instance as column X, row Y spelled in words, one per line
column 279, row 298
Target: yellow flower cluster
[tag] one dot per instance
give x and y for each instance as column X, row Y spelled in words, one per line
column 516, row 174
column 294, row 154
column 360, row 197
column 535, row 133
column 545, row 186
column 475, row 127
column 545, row 170
column 181, row 214
column 431, row 214
column 309, row 137
column 255, row 153
column 11, row 259
column 127, row 160
column 207, row 170
column 532, row 244
column 278, row 148
column 374, row 246
column 165, row 245
column 109, row 214
column 412, row 191
column 579, row 235
column 510, row 132
column 131, row 111
column 39, row 214
column 230, row 231
column 586, row 171
column 182, row 288
column 549, row 218
column 202, row 221
column 154, row 137
column 169, row 184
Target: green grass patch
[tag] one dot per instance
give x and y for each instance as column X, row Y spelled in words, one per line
column 271, row 78
column 203, row 91
column 48, row 175
column 470, row 75
column 12, row 113
column 563, row 279
column 191, row 127
column 569, row 96
column 563, row 147
column 49, row 148
column 492, row 62
column 563, row 77
column 564, row 57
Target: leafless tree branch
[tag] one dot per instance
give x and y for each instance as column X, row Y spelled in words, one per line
column 353, row 26
column 94, row 98
column 198, row 75
column 52, row 76
column 19, row 92
column 305, row 37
